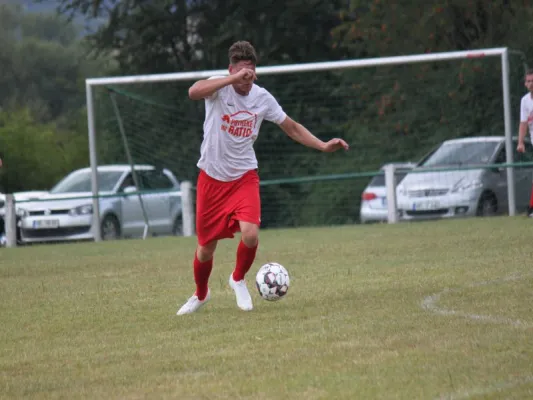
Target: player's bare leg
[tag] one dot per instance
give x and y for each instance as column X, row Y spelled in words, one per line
column 203, row 264
column 245, row 258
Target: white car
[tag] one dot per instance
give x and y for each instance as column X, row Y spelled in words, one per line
column 374, row 197
column 66, row 212
column 18, row 196
column 465, row 180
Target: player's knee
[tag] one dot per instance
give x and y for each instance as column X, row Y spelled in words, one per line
column 205, row 253
column 250, row 235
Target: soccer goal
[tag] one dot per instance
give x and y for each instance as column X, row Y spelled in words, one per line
column 390, row 109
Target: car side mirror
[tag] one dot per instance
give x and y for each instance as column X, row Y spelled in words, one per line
column 129, row 189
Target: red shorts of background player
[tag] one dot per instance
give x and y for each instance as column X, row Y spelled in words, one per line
column 221, row 205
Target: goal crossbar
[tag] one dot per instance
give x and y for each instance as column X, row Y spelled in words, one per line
column 307, row 67
column 502, row 52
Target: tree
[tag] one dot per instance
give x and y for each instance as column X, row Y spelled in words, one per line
column 178, row 35
column 380, row 28
column 43, row 64
column 37, row 155
column 43, row 132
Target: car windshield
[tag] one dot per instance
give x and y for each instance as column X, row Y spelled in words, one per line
column 80, row 181
column 379, row 180
column 461, row 153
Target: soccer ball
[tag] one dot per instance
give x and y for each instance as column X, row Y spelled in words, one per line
column 272, row 281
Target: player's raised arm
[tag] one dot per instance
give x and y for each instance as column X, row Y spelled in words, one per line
column 301, row 134
column 207, row 87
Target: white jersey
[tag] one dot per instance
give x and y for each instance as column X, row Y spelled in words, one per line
column 231, row 127
column 526, row 112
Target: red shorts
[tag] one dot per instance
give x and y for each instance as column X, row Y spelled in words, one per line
column 221, row 205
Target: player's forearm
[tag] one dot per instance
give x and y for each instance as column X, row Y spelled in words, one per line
column 205, row 88
column 522, row 131
column 300, row 134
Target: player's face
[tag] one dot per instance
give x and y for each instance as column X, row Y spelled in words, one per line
column 244, row 88
column 529, row 82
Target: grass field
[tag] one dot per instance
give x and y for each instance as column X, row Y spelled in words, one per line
column 437, row 310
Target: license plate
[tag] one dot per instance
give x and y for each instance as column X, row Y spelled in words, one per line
column 46, row 224
column 425, row 205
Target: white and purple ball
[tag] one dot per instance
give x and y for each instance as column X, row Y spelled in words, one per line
column 272, row 281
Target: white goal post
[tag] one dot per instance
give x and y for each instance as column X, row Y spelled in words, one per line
column 503, row 53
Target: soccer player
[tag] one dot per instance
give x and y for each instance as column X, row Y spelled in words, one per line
column 228, row 184
column 526, row 123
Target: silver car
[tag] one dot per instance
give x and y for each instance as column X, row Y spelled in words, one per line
column 18, row 196
column 453, row 192
column 66, row 212
column 374, row 197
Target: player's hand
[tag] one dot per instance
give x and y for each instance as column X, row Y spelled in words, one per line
column 521, row 148
column 334, row 145
column 245, row 76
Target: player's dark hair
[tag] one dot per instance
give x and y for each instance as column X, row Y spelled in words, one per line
column 529, row 71
column 242, row 51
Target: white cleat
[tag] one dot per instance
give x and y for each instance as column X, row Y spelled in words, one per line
column 244, row 301
column 193, row 304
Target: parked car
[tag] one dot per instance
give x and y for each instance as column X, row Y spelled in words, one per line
column 468, row 192
column 21, row 197
column 374, row 197
column 66, row 212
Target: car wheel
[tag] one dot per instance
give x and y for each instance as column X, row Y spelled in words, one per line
column 110, row 228
column 487, row 205
column 177, row 228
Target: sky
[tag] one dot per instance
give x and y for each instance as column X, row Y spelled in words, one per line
column 46, row 6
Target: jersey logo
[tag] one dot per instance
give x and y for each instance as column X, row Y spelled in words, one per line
column 239, row 124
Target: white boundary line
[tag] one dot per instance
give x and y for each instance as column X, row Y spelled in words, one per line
column 430, row 304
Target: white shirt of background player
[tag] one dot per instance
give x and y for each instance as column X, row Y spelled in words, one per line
column 526, row 113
